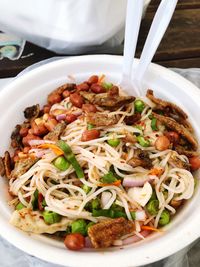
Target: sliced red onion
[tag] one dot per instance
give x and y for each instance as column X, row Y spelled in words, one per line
column 39, row 153
column 135, row 181
column 36, row 142
column 88, row 243
column 77, row 113
column 140, row 215
column 61, row 117
column 135, row 238
column 105, row 197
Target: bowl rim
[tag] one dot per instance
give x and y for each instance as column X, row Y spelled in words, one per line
column 43, row 252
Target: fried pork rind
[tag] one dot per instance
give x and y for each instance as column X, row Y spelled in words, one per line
column 104, row 233
column 22, row 166
column 140, row 158
column 33, row 222
column 107, row 100
column 180, row 129
column 56, row 133
column 99, row 119
column 32, row 112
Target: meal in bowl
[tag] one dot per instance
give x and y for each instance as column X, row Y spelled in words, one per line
column 100, row 168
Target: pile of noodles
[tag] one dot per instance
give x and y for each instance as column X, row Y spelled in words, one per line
column 64, row 197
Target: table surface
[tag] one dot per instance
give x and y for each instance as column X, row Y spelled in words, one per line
column 179, row 48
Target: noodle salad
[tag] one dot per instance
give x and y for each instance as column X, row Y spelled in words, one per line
column 99, row 168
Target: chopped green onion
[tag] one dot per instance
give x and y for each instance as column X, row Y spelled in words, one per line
column 51, row 217
column 152, row 207
column 142, row 141
column 35, row 200
column 114, row 142
column 110, row 213
column 19, row 206
column 107, row 86
column 69, row 155
column 90, row 126
column 139, row 106
column 132, row 214
column 86, row 188
column 108, row 178
column 153, row 196
column 164, row 218
column 88, row 226
column 44, row 204
column 61, row 163
column 95, row 204
column 154, row 124
column 79, row 226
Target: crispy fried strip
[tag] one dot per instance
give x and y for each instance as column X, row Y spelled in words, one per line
column 164, row 104
column 99, row 119
column 172, row 124
column 104, row 233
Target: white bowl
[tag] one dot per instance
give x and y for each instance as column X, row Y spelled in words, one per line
column 32, row 88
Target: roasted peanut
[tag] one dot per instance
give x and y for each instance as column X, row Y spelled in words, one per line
column 70, row 118
column 50, row 124
column 83, row 87
column 90, row 135
column 54, row 98
column 93, row 79
column 39, row 129
column 162, row 143
column 65, row 94
column 23, row 132
column 76, row 100
column 89, row 108
column 28, row 138
column 97, row 88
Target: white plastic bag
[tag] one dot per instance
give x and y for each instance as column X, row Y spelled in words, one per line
column 66, row 26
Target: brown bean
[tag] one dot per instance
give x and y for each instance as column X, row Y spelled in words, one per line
column 70, row 118
column 162, row 143
column 50, row 124
column 173, row 137
column 89, row 108
column 28, row 138
column 76, row 100
column 74, row 241
column 14, row 144
column 97, row 88
column 90, row 135
column 46, row 108
column 66, row 93
column 54, row 98
column 93, row 79
column 23, row 132
column 26, row 149
column 39, row 129
column 83, row 87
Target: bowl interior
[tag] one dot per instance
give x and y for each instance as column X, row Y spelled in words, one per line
column 32, row 88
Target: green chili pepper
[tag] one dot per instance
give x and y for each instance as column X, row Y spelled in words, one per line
column 108, row 178
column 51, row 217
column 19, row 206
column 88, row 226
column 90, row 126
column 139, row 106
column 107, row 86
column 114, row 142
column 35, row 200
column 61, row 163
column 164, row 218
column 86, row 188
column 69, row 155
column 79, row 226
column 142, row 141
column 154, row 124
column 152, row 206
